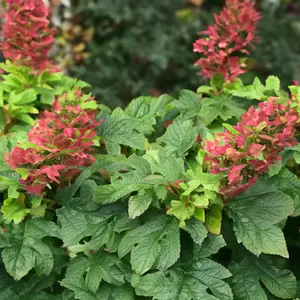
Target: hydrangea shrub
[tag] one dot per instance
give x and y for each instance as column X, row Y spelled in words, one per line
column 188, row 198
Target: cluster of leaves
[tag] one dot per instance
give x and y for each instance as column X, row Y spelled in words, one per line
column 146, row 221
column 23, row 94
column 146, row 218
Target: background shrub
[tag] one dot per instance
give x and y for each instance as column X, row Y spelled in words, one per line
column 142, row 47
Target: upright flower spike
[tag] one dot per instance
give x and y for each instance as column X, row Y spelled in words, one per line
column 62, row 140
column 27, row 36
column 255, row 144
column 229, row 38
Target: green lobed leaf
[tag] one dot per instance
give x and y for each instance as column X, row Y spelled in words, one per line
column 201, row 278
column 118, row 130
column 226, row 107
column 139, row 203
column 188, row 104
column 179, row 137
column 255, row 215
column 25, row 250
column 84, row 274
column 154, row 243
column 146, row 109
column 105, row 194
column 197, row 230
column 251, row 272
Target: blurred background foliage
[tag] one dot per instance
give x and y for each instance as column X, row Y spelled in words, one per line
column 128, row 48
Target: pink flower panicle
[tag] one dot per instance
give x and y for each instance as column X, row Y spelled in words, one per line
column 62, row 139
column 27, row 36
column 234, row 30
column 254, row 145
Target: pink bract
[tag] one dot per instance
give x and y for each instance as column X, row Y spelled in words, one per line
column 27, row 36
column 233, row 32
column 261, row 135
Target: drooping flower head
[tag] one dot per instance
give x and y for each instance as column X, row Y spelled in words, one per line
column 223, row 43
column 27, row 36
column 62, row 140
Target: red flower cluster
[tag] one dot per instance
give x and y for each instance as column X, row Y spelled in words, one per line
column 62, row 140
column 27, row 37
column 252, row 146
column 234, row 30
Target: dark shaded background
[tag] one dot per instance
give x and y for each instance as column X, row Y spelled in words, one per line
column 128, row 48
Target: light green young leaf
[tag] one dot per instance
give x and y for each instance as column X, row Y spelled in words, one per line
column 6, row 182
column 295, row 90
column 23, row 98
column 257, row 90
column 253, row 91
column 273, row 84
column 181, row 210
column 155, row 242
column 26, row 119
column 14, row 210
column 1, row 99
column 2, row 120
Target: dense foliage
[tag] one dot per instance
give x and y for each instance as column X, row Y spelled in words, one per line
column 188, row 198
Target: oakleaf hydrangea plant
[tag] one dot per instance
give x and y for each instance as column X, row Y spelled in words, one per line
column 190, row 198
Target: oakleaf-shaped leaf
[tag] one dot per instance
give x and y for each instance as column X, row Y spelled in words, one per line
column 251, row 272
column 117, row 130
column 139, row 203
column 155, row 242
column 197, row 230
column 188, row 104
column 225, row 107
column 201, row 278
column 146, row 109
column 255, row 215
column 84, row 275
column 26, row 250
column 179, row 137
column 110, row 193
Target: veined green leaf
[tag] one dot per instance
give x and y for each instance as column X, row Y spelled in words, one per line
column 154, row 243
column 255, row 215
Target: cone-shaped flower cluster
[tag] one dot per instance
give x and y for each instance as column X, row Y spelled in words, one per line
column 249, row 149
column 223, row 43
column 27, row 36
column 61, row 142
